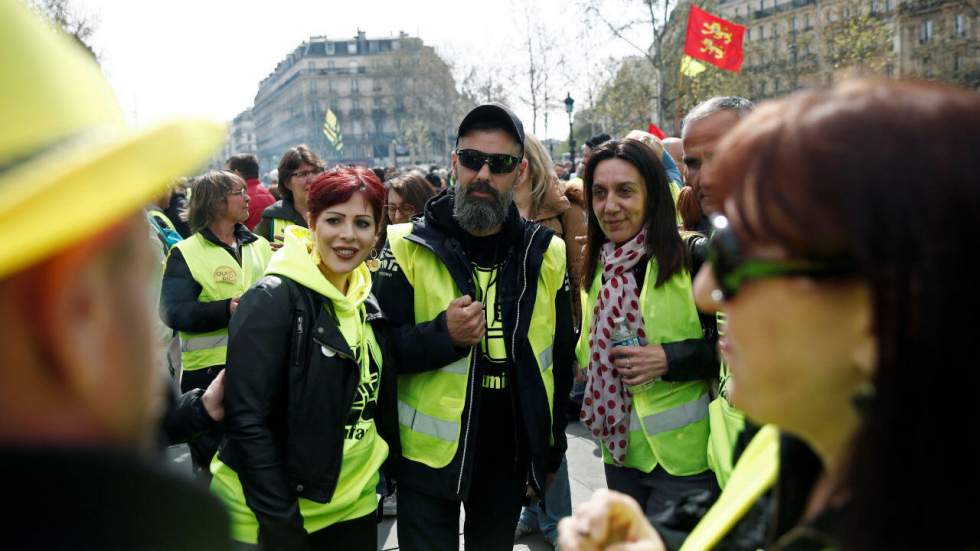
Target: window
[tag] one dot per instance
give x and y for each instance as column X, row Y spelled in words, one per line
column 311, row 66
column 792, row 23
column 957, row 63
column 874, row 7
column 959, row 25
column 925, row 31
column 352, row 47
column 328, row 47
column 845, row 12
column 353, row 67
column 354, row 86
column 748, row 34
column 331, row 66
column 806, row 22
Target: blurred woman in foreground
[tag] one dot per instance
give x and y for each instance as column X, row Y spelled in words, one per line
column 840, row 267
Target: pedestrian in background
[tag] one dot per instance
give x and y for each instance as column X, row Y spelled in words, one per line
column 297, row 168
column 542, row 198
column 407, row 195
column 205, row 277
column 247, row 167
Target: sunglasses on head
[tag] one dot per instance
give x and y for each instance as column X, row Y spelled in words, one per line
column 732, row 270
column 499, row 163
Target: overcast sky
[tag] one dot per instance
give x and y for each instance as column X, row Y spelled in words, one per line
column 206, row 57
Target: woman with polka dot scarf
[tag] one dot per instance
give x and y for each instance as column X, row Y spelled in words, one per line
column 645, row 404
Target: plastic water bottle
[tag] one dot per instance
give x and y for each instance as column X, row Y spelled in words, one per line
column 622, row 335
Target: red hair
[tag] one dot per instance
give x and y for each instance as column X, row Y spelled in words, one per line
column 339, row 184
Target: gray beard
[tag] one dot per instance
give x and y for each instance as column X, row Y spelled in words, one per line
column 479, row 215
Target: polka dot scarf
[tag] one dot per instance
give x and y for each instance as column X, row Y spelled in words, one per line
column 606, row 407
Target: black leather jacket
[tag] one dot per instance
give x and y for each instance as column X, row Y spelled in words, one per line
column 286, row 402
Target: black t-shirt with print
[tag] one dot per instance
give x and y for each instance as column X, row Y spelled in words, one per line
column 497, row 442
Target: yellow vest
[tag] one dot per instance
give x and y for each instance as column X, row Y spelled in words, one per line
column 669, row 422
column 278, row 226
column 430, row 404
column 726, row 423
column 753, row 476
column 220, row 278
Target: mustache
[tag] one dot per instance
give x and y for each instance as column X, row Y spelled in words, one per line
column 483, row 187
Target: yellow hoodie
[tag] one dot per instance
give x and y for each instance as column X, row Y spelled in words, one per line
column 364, row 450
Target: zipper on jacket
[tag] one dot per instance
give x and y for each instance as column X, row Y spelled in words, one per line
column 469, row 418
column 513, row 343
column 298, row 341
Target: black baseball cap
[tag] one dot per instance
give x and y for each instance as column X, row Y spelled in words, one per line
column 492, row 115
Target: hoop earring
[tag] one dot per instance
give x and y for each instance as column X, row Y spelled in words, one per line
column 372, row 262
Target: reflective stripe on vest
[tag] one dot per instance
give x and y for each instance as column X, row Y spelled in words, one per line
column 669, row 423
column 203, row 342
column 674, row 418
column 754, row 474
column 437, row 428
column 220, row 278
column 431, row 403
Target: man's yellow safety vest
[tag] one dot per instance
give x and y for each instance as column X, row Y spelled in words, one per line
column 220, row 278
column 430, row 404
column 669, row 422
column 754, row 474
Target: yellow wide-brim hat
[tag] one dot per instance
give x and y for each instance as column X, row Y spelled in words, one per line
column 70, row 165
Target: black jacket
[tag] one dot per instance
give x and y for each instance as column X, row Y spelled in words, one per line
column 62, row 498
column 179, row 307
column 427, row 346
column 287, row 403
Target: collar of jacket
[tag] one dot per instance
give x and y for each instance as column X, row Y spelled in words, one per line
column 242, row 235
column 284, row 209
column 326, row 328
column 439, row 232
column 554, row 203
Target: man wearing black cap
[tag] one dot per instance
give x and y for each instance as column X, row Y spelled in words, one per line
column 481, row 300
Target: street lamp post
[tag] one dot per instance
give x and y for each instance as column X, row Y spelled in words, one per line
column 569, row 104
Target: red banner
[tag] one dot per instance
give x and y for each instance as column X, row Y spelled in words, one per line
column 713, row 40
column 656, row 131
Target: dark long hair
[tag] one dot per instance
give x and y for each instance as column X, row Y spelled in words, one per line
column 663, row 241
column 885, row 174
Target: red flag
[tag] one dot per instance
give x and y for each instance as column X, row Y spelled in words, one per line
column 714, row 40
column 653, row 129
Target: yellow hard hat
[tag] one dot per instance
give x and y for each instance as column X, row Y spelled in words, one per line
column 70, row 165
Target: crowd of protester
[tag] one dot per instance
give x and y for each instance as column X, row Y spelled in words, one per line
column 757, row 322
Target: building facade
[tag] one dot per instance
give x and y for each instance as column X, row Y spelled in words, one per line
column 387, row 94
column 791, row 44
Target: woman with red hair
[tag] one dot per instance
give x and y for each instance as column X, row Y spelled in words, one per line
column 309, row 400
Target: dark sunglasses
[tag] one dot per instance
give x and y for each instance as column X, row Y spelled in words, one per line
column 500, row 163
column 732, row 270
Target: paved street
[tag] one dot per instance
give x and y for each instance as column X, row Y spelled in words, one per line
column 584, row 471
